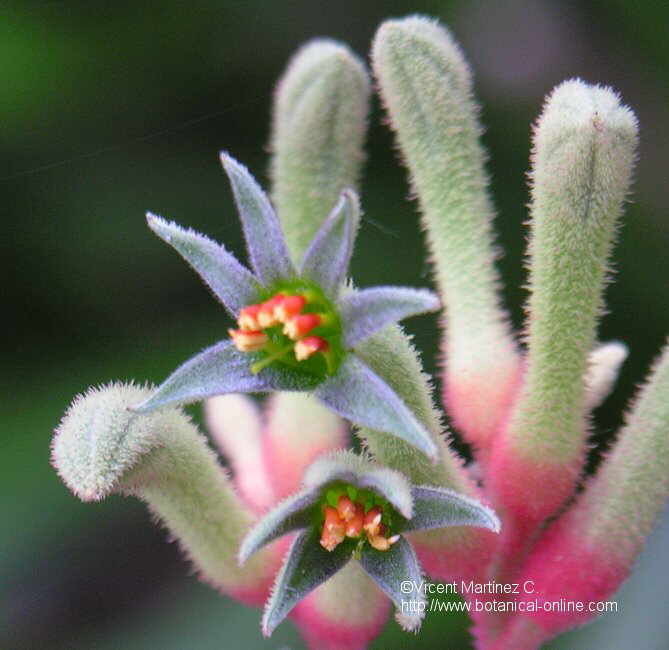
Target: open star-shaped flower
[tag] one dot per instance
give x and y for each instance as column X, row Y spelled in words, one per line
column 350, row 507
column 297, row 329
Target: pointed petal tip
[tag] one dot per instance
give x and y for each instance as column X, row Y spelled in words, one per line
column 355, row 387
column 225, row 158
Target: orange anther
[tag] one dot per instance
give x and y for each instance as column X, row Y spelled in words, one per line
column 300, row 325
column 308, row 346
column 354, row 525
column 334, row 529
column 288, row 307
column 267, row 313
column 248, row 318
column 345, row 508
column 372, row 522
column 248, row 341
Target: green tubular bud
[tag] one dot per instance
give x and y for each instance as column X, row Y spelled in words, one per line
column 426, row 87
column 101, row 448
column 320, row 113
column 584, row 150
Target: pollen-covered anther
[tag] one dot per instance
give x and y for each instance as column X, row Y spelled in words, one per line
column 248, row 341
column 345, row 508
column 382, row 543
column 308, row 346
column 300, row 325
column 248, row 318
column 334, row 529
column 372, row 523
column 288, row 307
column 354, row 524
column 267, row 316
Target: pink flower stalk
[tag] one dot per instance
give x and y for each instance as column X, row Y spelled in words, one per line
column 274, row 457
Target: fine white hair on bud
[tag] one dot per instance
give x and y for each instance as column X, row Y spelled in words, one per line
column 320, row 115
column 621, row 503
column 99, row 439
column 604, row 365
column 426, row 87
column 584, row 150
column 102, row 447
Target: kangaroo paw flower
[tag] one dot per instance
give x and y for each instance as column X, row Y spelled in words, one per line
column 352, row 508
column 295, row 329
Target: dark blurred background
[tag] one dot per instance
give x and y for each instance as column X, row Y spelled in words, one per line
column 112, row 108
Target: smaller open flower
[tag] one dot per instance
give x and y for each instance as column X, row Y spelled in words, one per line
column 351, row 507
column 297, row 329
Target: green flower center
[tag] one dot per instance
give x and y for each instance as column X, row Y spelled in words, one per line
column 355, row 516
column 296, row 326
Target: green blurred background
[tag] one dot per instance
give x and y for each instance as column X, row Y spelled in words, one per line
column 113, row 108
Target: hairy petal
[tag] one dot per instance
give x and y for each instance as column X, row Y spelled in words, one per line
column 393, row 569
column 292, row 513
column 390, row 354
column 262, row 230
column 360, row 395
column 233, row 284
column 307, row 565
column 329, row 254
column 217, row 370
column 436, row 507
column 320, row 112
column 366, row 311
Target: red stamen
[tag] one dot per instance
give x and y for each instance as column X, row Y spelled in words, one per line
column 248, row 318
column 248, row 341
column 290, row 306
column 333, row 529
column 372, row 523
column 308, row 346
column 300, row 325
column 345, row 508
column 354, row 525
column 267, row 314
